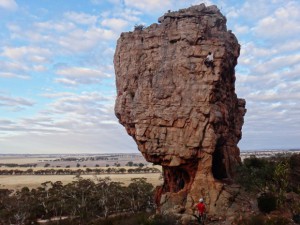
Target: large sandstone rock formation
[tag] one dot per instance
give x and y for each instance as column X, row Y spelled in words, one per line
column 183, row 115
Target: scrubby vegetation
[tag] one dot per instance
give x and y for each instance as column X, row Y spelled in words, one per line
column 81, row 202
column 139, row 27
column 276, row 182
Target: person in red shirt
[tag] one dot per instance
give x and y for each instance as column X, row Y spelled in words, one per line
column 201, row 210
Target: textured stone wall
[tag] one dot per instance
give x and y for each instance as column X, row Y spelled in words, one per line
column 183, row 115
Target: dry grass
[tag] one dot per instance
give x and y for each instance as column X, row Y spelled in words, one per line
column 33, row 181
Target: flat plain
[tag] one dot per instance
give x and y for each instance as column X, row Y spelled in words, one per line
column 61, row 162
column 33, row 181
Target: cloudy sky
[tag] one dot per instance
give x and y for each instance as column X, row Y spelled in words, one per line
column 57, row 84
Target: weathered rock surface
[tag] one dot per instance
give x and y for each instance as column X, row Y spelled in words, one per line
column 183, row 115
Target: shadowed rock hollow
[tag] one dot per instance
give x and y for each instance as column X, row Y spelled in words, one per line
column 183, row 115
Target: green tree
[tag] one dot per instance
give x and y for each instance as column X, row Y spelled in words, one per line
column 130, row 163
column 256, row 174
column 140, row 194
column 280, row 181
column 294, row 176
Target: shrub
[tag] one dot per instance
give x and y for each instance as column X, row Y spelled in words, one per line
column 295, row 172
column 139, row 27
column 267, row 202
column 255, row 174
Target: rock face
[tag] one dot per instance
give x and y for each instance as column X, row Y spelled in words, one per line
column 183, row 115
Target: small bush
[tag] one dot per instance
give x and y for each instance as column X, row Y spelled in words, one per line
column 139, row 27
column 266, row 202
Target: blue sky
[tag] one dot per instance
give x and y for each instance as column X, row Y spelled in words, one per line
column 57, row 84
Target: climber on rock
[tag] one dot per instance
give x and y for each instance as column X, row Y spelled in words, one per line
column 201, row 211
column 209, row 61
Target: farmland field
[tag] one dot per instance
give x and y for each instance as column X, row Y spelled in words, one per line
column 71, row 162
column 33, row 181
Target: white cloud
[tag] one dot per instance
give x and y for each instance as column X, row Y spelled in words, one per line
column 232, row 14
column 39, row 68
column 289, row 46
column 127, row 14
column 48, row 26
column 252, row 11
column 13, row 66
column 33, row 54
column 241, row 29
column 80, row 75
column 283, row 23
column 18, row 62
column 64, row 37
column 8, row 4
column 277, row 62
column 66, row 81
column 85, row 113
column 81, row 18
column 14, row 103
column 13, row 75
column 82, row 115
column 79, row 40
column 148, row 6
column 115, row 23
column 79, row 71
column 57, row 94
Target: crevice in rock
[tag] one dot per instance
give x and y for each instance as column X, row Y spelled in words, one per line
column 178, row 178
column 218, row 164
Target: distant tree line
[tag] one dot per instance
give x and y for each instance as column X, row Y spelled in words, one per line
column 81, row 159
column 87, row 171
column 82, row 200
column 130, row 163
column 17, row 165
